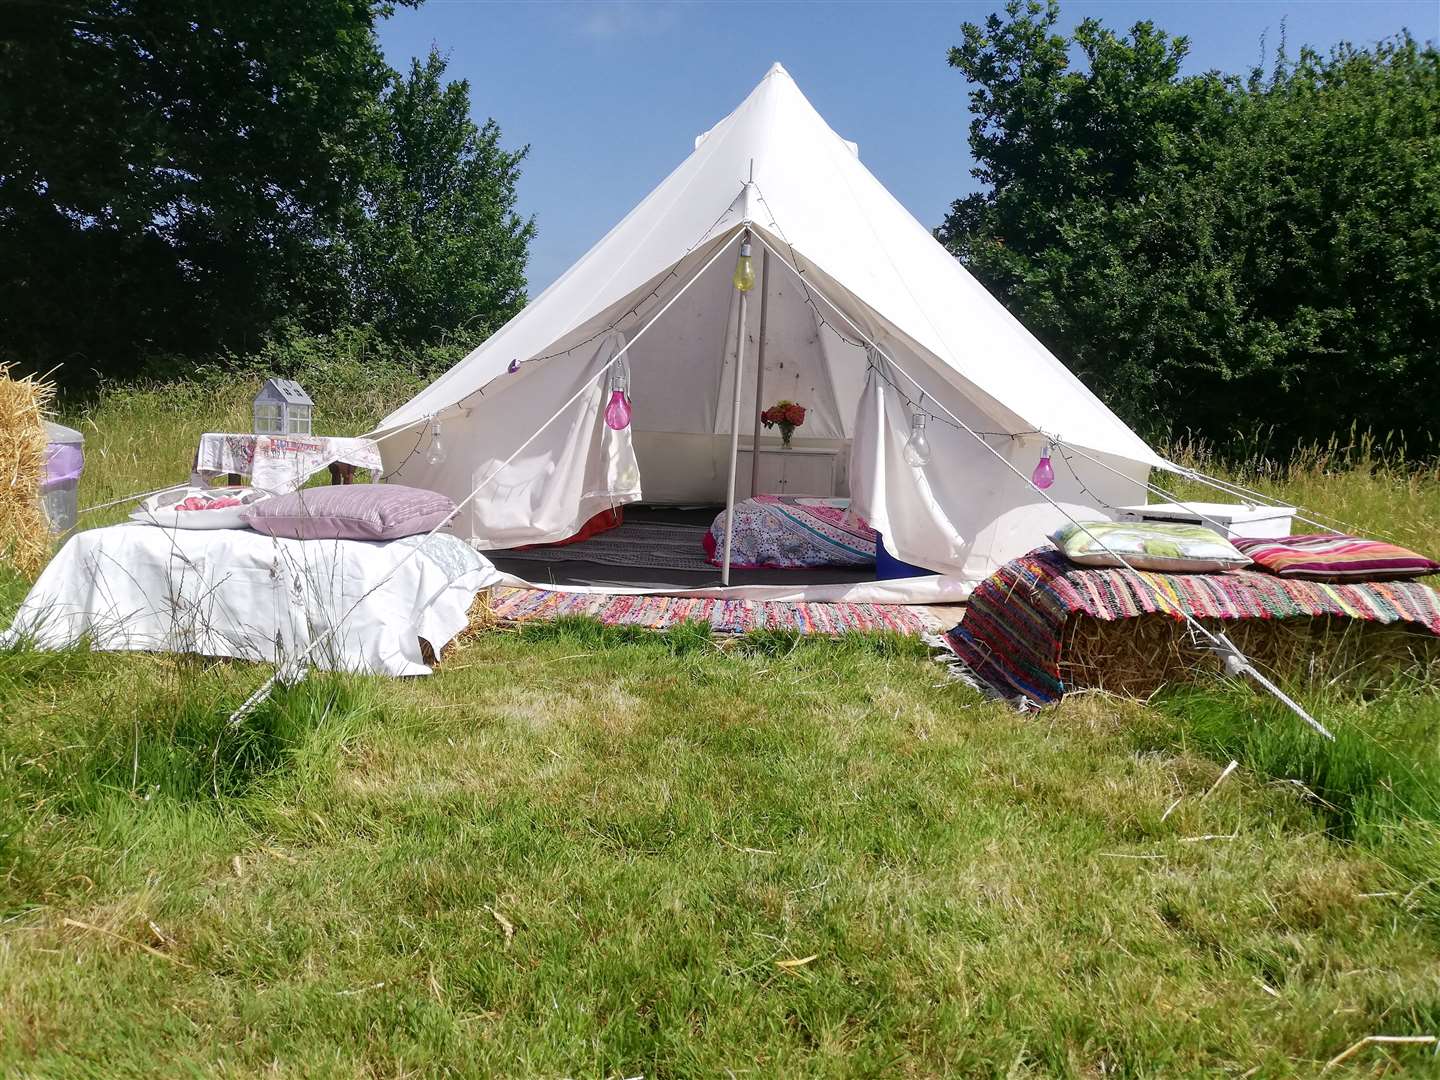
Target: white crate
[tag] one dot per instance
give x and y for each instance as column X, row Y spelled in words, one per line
column 1232, row 519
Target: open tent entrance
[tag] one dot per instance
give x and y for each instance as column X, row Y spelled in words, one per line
column 681, row 381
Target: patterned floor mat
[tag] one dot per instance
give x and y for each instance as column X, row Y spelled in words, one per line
column 514, row 605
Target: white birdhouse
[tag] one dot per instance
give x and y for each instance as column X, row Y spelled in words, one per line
column 283, row 408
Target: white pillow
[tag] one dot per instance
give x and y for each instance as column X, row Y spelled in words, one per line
column 1172, row 547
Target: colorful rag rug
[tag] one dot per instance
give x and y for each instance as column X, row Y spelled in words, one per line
column 510, row 604
column 788, row 532
column 1014, row 622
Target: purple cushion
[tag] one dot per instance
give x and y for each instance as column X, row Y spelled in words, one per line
column 351, row 512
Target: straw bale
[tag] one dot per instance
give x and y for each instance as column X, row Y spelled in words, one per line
column 482, row 619
column 24, row 531
column 1138, row 656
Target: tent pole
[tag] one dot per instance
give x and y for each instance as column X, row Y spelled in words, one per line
column 760, row 373
column 735, row 428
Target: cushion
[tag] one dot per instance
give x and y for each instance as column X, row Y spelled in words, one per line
column 1330, row 557
column 351, row 512
column 789, row 532
column 1171, row 547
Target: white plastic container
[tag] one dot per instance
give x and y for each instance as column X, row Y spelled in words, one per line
column 60, row 490
column 1233, row 520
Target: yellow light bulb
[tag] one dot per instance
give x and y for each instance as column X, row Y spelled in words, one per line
column 744, row 269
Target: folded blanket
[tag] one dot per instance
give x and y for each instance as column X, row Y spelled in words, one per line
column 787, row 532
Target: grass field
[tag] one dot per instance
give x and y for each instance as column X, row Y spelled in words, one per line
column 585, row 852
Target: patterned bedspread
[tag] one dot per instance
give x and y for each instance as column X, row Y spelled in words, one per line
column 786, row 532
column 1010, row 637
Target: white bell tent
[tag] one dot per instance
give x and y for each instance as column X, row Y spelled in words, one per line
column 867, row 322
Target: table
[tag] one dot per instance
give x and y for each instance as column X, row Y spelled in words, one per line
column 282, row 463
column 801, row 470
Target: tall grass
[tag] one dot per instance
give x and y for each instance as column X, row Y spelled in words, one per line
column 142, row 436
column 1377, row 785
column 1361, row 482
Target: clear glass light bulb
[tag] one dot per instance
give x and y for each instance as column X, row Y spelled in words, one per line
column 744, row 278
column 1044, row 474
column 437, row 448
column 917, row 447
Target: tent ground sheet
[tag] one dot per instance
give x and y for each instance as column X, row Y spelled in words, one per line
column 1014, row 623
column 656, row 548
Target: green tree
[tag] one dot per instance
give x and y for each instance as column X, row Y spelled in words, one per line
column 1209, row 252
column 434, row 246
column 170, row 170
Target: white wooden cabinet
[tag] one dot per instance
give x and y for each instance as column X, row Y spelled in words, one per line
column 797, row 471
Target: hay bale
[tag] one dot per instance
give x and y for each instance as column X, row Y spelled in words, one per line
column 1136, row 657
column 482, row 619
column 24, row 531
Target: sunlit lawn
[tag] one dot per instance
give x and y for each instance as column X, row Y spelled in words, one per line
column 584, row 852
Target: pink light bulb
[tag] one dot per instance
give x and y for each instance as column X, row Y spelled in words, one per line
column 1044, row 475
column 617, row 413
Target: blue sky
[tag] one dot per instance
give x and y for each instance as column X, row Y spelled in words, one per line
column 609, row 94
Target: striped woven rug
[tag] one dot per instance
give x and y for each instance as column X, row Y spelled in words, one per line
column 515, row 605
column 1014, row 624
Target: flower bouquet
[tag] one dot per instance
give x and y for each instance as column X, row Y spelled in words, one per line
column 787, row 416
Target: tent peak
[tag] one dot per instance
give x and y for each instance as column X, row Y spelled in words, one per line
column 777, row 68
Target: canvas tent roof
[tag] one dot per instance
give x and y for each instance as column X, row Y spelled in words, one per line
column 814, row 201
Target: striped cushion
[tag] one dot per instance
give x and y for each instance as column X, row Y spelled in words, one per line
column 1329, row 557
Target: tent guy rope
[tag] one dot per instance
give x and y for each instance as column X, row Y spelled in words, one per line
column 295, row 663
column 1235, row 661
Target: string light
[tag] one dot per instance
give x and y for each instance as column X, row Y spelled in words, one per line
column 617, row 413
column 744, row 277
column 437, row 453
column 1044, row 474
column 419, row 438
column 917, row 447
column 633, row 312
column 916, row 407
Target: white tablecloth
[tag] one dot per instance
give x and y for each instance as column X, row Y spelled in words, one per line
column 239, row 593
column 279, row 463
